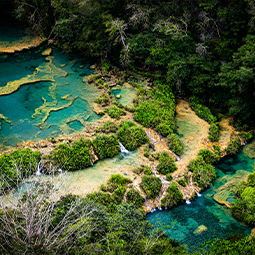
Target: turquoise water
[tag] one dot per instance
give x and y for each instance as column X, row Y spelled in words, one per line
column 205, row 211
column 38, row 110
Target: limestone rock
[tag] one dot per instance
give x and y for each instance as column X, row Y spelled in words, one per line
column 62, row 65
column 200, row 229
column 47, row 52
column 118, row 96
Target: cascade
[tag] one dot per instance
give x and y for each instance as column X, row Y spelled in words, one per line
column 38, row 173
column 122, row 148
column 91, row 163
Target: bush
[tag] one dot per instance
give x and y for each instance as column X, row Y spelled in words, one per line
column 203, row 175
column 214, row 132
column 173, row 196
column 195, row 163
column 233, row 146
column 115, row 182
column 175, row 144
column 247, row 136
column 166, row 164
column 115, row 112
column 151, row 186
column 169, row 177
column 133, row 196
column 103, row 100
column 131, row 135
column 106, row 146
column 72, row 158
column 203, row 112
column 182, row 182
column 17, row 165
column 108, row 127
column 208, row 156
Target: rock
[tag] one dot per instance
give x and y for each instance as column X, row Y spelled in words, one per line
column 81, row 66
column 200, row 229
column 118, row 96
column 93, row 67
column 62, row 65
column 47, row 52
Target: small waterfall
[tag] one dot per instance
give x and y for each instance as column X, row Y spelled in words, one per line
column 244, row 143
column 122, row 148
column 199, row 195
column 187, row 198
column 60, row 170
column 38, row 173
column 91, row 163
column 188, row 202
column 177, row 158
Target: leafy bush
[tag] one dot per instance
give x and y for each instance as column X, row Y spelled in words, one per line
column 103, row 100
column 195, row 163
column 203, row 112
column 106, row 146
column 233, row 146
column 133, row 196
column 166, row 164
column 72, row 158
column 208, row 156
column 217, row 152
column 115, row 182
column 169, row 177
column 173, row 196
column 108, row 127
column 214, row 132
column 244, row 206
column 182, row 182
column 131, row 135
column 155, row 110
column 247, row 136
column 203, row 175
column 151, row 186
column 175, row 144
column 17, row 165
column 115, row 112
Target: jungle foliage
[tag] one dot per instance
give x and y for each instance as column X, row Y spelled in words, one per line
column 174, row 144
column 151, row 186
column 166, row 163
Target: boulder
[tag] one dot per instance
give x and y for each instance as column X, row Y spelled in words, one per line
column 200, row 229
column 47, row 52
column 118, row 96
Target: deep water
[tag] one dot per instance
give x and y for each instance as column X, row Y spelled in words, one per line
column 184, row 219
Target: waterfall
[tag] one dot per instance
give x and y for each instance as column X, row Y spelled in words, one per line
column 38, row 173
column 199, row 195
column 188, row 202
column 91, row 163
column 122, row 148
column 177, row 158
column 187, row 198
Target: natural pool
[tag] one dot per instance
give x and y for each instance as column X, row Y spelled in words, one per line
column 44, row 96
column 205, row 211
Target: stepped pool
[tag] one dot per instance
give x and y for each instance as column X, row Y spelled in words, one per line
column 185, row 219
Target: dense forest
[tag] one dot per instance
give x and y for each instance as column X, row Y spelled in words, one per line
column 200, row 50
column 195, row 48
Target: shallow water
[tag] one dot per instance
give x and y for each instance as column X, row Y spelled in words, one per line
column 37, row 110
column 205, row 211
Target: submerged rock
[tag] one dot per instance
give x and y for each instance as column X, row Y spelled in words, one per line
column 47, row 52
column 118, row 96
column 200, row 229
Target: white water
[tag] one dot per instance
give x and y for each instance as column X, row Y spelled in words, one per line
column 38, row 173
column 199, row 195
column 122, row 148
column 91, row 163
column 188, row 202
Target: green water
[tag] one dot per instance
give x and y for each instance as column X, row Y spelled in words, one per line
column 68, row 100
column 205, row 211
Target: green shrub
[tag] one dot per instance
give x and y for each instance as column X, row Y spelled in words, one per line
column 131, row 135
column 203, row 175
column 166, row 164
column 175, row 144
column 203, row 112
column 103, row 100
column 169, row 177
column 182, row 182
column 151, row 186
column 108, row 127
column 106, row 146
column 217, row 152
column 214, row 132
column 17, row 165
column 233, row 146
column 115, row 112
column 72, row 158
column 115, row 182
column 208, row 156
column 133, row 196
column 195, row 163
column 173, row 196
column 247, row 136
column 145, row 169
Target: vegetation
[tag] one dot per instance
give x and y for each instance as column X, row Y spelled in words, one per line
column 108, row 127
column 151, row 186
column 182, row 182
column 173, row 196
column 233, row 146
column 247, row 136
column 166, row 164
column 103, row 100
column 106, row 146
column 174, row 144
column 133, row 196
column 131, row 135
column 17, row 165
column 244, row 206
column 115, row 112
column 72, row 157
